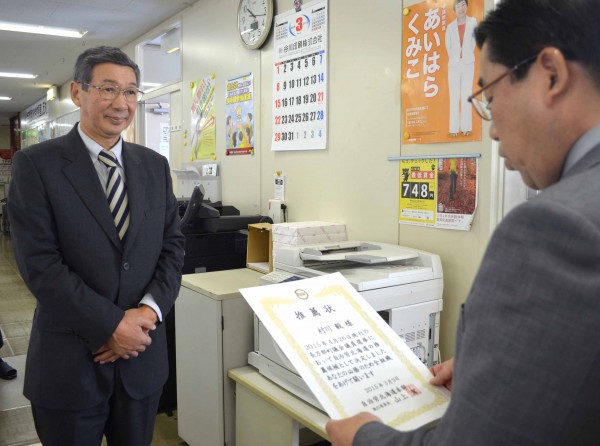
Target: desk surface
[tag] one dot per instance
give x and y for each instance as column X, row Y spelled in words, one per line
column 220, row 285
column 296, row 408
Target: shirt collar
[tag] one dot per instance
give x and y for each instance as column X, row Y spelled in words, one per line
column 94, row 148
column 582, row 146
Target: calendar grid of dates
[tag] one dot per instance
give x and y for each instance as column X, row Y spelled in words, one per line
column 300, row 80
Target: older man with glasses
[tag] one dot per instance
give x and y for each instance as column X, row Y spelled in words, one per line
column 95, row 231
column 527, row 357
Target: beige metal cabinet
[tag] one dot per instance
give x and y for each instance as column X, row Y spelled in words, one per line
column 214, row 333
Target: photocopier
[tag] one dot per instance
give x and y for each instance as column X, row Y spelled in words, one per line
column 403, row 285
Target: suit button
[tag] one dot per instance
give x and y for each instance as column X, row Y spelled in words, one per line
column 126, row 266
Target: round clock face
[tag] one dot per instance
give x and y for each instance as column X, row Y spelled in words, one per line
column 254, row 22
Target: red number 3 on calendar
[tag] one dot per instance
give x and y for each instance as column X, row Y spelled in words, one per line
column 299, row 24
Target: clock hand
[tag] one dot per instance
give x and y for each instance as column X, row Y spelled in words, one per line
column 252, row 14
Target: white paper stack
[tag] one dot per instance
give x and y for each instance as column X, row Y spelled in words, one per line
column 308, row 233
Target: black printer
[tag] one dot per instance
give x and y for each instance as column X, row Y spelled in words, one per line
column 216, row 239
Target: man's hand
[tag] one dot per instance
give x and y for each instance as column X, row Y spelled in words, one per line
column 131, row 336
column 105, row 355
column 342, row 432
column 442, row 374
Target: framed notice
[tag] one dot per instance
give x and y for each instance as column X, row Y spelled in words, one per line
column 300, row 79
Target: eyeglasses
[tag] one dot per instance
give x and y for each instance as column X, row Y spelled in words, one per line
column 482, row 106
column 110, row 92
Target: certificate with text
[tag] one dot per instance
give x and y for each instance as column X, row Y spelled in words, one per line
column 348, row 356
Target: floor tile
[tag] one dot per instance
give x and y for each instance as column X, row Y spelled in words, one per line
column 19, row 345
column 11, row 392
column 7, row 350
column 15, row 329
column 16, row 427
column 16, row 316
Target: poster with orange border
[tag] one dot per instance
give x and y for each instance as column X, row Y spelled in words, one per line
column 437, row 55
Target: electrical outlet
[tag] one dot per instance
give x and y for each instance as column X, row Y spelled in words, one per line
column 275, row 211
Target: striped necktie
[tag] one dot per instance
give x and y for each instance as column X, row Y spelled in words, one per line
column 115, row 192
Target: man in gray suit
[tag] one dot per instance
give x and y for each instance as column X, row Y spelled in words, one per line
column 527, row 365
column 104, row 274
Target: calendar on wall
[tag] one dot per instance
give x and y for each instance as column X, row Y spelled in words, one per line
column 300, row 78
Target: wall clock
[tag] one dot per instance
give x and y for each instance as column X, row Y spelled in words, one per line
column 255, row 18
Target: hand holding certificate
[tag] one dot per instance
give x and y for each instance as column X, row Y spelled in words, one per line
column 348, row 356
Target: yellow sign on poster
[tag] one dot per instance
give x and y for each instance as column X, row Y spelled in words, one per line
column 439, row 192
column 440, row 69
column 418, row 190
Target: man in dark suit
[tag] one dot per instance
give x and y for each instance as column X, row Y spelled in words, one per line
column 526, row 368
column 104, row 274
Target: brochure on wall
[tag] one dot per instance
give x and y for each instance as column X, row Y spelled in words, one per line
column 300, row 78
column 440, row 69
column 165, row 139
column 239, row 112
column 5, row 170
column 348, row 356
column 204, row 131
column 438, row 192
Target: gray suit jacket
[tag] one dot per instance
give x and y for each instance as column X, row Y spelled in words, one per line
column 527, row 363
column 82, row 276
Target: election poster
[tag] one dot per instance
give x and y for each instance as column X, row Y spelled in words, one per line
column 440, row 70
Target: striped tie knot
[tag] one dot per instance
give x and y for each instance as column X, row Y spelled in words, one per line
column 108, row 158
column 115, row 192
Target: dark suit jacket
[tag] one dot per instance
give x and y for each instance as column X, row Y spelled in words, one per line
column 527, row 363
column 82, row 276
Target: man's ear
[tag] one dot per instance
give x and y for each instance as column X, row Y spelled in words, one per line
column 555, row 72
column 75, row 89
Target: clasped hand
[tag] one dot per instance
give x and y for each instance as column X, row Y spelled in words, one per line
column 130, row 338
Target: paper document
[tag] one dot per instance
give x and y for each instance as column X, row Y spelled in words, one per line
column 348, row 356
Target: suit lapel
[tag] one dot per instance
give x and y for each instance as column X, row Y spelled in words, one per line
column 79, row 170
column 135, row 178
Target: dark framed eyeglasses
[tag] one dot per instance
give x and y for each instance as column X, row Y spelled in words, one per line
column 482, row 106
column 112, row 92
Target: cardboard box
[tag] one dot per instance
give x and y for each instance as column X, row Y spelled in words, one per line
column 259, row 253
column 308, row 233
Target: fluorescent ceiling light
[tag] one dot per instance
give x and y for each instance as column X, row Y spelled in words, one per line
column 38, row 29
column 18, row 75
column 5, row 98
